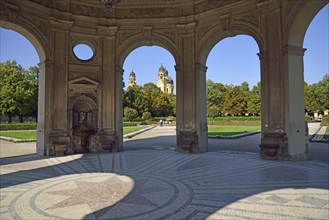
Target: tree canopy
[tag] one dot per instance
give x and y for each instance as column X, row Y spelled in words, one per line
column 18, row 90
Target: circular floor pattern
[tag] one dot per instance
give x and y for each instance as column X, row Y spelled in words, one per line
column 153, row 184
column 100, row 195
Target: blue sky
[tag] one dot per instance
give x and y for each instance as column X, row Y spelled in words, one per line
column 232, row 61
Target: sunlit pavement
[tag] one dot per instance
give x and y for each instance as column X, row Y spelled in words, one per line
column 162, row 184
column 159, row 183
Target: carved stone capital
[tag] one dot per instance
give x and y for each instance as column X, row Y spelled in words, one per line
column 201, row 68
column 261, row 55
column 294, row 50
column 119, row 70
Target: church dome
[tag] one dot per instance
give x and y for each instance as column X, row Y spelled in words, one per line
column 169, row 80
column 132, row 73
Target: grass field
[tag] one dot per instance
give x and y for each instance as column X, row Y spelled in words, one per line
column 127, row 130
column 213, row 130
column 31, row 135
column 22, row 135
column 216, row 130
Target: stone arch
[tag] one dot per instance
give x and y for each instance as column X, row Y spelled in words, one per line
column 300, row 22
column 208, row 41
column 136, row 41
column 293, row 75
column 32, row 33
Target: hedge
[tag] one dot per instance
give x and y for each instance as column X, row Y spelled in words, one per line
column 18, row 126
column 235, row 118
column 129, row 124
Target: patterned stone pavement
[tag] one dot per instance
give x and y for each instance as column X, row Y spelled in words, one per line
column 162, row 184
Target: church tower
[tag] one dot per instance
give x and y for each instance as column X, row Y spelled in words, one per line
column 132, row 79
column 165, row 82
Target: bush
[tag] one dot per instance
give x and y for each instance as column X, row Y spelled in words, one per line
column 236, row 118
column 146, row 116
column 325, row 120
column 130, row 113
column 213, row 112
column 308, row 118
column 18, row 126
column 129, row 124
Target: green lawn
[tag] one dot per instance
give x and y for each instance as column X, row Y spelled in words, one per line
column 215, row 130
column 23, row 135
column 127, row 130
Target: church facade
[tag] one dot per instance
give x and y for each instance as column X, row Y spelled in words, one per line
column 165, row 82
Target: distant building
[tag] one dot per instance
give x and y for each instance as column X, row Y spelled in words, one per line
column 165, row 82
column 132, row 79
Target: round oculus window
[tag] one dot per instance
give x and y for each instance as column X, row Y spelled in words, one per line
column 83, row 52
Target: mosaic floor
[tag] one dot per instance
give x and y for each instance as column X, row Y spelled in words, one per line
column 155, row 184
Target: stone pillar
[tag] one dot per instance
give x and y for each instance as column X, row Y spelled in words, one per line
column 190, row 123
column 294, row 103
column 119, row 107
column 110, row 118
column 59, row 93
column 201, row 100
column 44, row 107
column 283, row 126
column 274, row 139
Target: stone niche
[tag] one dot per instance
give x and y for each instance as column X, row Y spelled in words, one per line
column 83, row 116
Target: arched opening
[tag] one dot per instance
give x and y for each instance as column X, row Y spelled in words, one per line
column 149, row 98
column 316, row 64
column 297, row 131
column 21, row 45
column 234, row 95
column 316, row 85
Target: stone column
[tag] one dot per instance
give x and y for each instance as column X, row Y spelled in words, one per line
column 44, row 107
column 201, row 101
column 190, row 123
column 294, row 103
column 283, row 126
column 110, row 118
column 59, row 96
column 274, row 138
column 119, row 107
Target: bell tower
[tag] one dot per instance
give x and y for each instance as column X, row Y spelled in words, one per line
column 132, row 79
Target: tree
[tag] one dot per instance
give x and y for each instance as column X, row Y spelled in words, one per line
column 146, row 116
column 316, row 95
column 18, row 90
column 130, row 113
column 235, row 101
column 215, row 95
column 32, row 80
column 254, row 101
column 213, row 112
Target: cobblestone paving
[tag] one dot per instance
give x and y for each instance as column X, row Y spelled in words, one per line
column 154, row 184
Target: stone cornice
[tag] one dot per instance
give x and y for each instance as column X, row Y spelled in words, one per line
column 109, row 31
column 60, row 24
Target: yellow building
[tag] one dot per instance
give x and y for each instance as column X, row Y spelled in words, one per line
column 165, row 82
column 132, row 79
